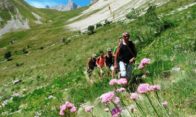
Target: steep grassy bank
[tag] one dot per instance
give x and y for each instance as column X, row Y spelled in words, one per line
column 53, row 71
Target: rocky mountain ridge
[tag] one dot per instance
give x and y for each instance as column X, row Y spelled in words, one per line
column 69, row 6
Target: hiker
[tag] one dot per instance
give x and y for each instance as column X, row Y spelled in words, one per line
column 91, row 65
column 125, row 56
column 109, row 61
column 100, row 62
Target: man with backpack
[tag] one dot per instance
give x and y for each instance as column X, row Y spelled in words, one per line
column 109, row 61
column 125, row 56
column 91, row 65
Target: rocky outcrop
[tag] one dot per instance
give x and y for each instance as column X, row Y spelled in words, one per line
column 70, row 6
column 15, row 23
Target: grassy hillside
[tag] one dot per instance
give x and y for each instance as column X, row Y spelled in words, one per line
column 47, row 66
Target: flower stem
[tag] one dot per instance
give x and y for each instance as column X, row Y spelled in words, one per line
column 152, row 105
column 125, row 106
column 140, row 108
column 109, row 108
column 92, row 114
column 158, row 98
column 159, row 102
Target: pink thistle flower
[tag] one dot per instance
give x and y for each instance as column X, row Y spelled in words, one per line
column 116, row 112
column 165, row 104
column 122, row 81
column 116, row 100
column 107, row 97
column 154, row 88
column 134, row 96
column 73, row 109
column 69, row 104
column 144, row 61
column 143, row 88
column 141, row 66
column 61, row 112
column 63, row 107
column 120, row 90
column 89, row 108
column 113, row 82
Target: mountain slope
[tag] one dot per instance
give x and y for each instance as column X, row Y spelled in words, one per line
column 112, row 10
column 69, row 6
column 17, row 14
column 48, row 62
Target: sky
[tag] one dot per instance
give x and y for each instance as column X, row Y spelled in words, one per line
column 44, row 3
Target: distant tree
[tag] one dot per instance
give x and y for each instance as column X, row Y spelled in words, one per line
column 98, row 25
column 91, row 29
column 107, row 22
column 8, row 55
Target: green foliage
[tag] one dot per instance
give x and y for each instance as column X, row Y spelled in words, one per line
column 134, row 14
column 85, row 93
column 91, row 29
column 25, row 51
column 59, row 69
column 66, row 40
column 98, row 25
column 8, row 55
column 19, row 64
column 106, row 22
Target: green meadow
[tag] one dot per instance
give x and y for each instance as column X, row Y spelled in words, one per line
column 50, row 61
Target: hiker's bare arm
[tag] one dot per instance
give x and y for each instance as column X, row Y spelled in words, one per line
column 132, row 60
column 115, row 57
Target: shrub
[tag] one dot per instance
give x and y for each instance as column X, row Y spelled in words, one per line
column 107, row 22
column 19, row 64
column 8, row 56
column 25, row 51
column 91, row 29
column 41, row 48
column 98, row 25
column 66, row 40
column 133, row 14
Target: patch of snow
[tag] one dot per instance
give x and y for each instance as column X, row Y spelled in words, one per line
column 111, row 10
column 38, row 21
